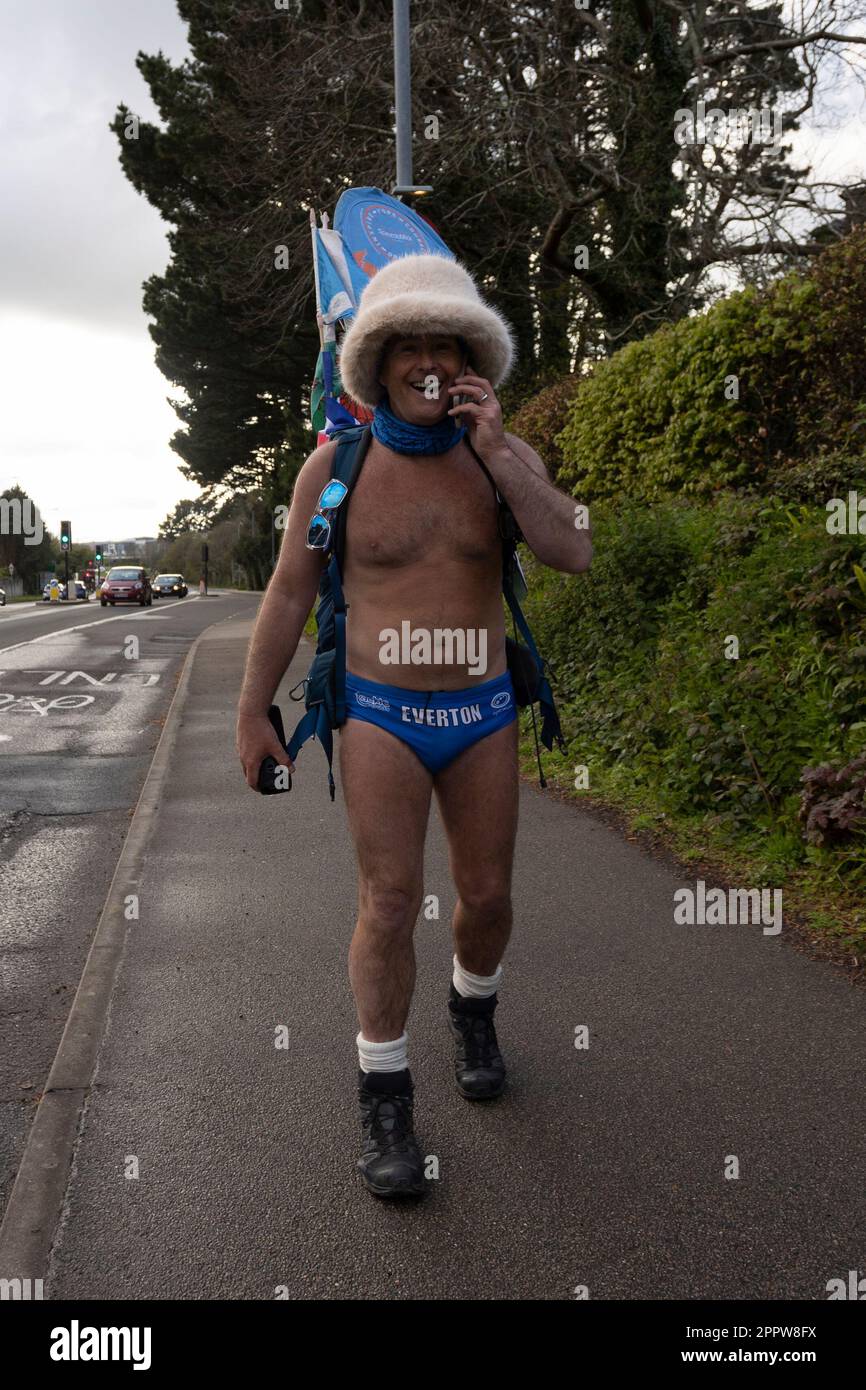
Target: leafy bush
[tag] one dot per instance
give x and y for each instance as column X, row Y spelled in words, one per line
column 711, row 665
column 664, row 414
column 833, row 804
column 653, row 688
column 541, row 419
column 820, row 476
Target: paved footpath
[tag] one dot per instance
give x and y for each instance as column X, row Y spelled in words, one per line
column 602, row 1167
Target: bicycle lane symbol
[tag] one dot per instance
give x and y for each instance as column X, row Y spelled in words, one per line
column 40, row 704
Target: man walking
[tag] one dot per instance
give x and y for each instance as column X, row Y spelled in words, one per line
column 423, row 557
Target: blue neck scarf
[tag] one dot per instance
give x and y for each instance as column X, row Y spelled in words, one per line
column 404, row 438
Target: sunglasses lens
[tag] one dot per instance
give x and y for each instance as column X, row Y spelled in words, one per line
column 319, row 533
column 332, row 494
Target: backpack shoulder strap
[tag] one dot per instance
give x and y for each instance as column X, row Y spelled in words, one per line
column 352, row 444
column 511, row 533
column 352, row 447
column 508, row 527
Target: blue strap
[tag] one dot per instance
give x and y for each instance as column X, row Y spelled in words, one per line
column 304, row 729
column 314, row 724
column 550, row 726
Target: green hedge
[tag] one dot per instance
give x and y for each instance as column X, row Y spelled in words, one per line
column 709, row 522
column 650, row 702
column 542, row 418
column 654, row 418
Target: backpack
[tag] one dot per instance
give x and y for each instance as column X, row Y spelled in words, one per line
column 324, row 687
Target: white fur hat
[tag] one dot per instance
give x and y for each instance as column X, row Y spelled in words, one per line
column 421, row 294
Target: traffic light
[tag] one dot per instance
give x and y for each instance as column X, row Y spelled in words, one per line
column 65, row 535
column 99, row 554
column 204, row 554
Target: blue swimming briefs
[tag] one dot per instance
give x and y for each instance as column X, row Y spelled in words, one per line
column 436, row 724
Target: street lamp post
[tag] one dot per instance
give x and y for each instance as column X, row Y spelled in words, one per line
column 403, row 103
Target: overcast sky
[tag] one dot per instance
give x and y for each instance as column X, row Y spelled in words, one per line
column 84, row 421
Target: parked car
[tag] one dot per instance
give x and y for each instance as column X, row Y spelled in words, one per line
column 80, row 590
column 170, row 586
column 46, row 592
column 126, row 584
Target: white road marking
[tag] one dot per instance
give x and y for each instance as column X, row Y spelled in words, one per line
column 67, row 677
column 40, row 704
column 118, row 618
column 29, row 610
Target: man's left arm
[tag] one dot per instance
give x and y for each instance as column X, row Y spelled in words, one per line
column 546, row 516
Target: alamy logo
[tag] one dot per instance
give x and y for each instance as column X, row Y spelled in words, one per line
column 736, row 907
column 855, row 1288
column 77, row 1343
column 754, row 125
column 21, row 518
column 374, row 701
column 846, row 518
column 501, row 700
column 439, row 646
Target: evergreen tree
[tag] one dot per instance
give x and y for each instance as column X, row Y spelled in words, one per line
column 551, row 133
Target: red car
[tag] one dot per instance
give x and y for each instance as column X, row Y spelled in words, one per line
column 126, row 584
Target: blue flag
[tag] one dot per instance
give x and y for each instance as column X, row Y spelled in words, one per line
column 336, row 293
column 377, row 229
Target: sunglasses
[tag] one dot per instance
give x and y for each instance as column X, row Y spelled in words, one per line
column 319, row 529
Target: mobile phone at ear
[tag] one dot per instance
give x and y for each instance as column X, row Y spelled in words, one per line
column 268, row 770
column 461, row 400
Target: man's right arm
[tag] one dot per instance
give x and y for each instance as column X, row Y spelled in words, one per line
column 284, row 610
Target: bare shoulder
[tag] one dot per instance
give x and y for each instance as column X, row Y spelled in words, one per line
column 527, row 455
column 298, row 568
column 315, row 471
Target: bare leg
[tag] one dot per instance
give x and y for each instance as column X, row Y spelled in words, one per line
column 387, row 793
column 477, row 796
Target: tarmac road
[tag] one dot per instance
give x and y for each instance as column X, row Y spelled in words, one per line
column 212, row 1163
column 80, row 716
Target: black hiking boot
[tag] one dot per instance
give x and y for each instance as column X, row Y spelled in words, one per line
column 478, row 1064
column 391, row 1163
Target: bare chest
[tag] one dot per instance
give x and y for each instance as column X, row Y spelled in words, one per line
column 410, row 509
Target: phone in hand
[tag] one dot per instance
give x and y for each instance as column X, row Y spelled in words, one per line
column 461, row 400
column 268, row 770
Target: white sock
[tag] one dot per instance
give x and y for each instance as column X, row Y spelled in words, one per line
column 475, row 986
column 383, row 1056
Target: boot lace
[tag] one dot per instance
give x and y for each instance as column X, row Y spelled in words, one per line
column 479, row 1037
column 389, row 1119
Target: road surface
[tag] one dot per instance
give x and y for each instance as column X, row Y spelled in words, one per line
column 216, row 1134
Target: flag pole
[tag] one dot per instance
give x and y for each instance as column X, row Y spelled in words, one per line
column 319, row 320
column 316, row 277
